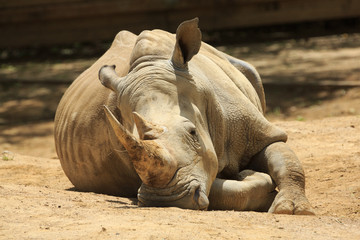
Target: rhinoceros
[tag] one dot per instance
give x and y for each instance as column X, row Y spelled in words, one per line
column 175, row 122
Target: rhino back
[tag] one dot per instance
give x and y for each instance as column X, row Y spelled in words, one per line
column 89, row 153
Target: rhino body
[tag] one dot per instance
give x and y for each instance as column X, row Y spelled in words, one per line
column 178, row 123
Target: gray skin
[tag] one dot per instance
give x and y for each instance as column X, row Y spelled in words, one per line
column 178, row 123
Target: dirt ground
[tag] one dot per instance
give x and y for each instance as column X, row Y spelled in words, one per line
column 323, row 122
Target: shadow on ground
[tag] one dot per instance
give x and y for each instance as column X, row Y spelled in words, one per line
column 298, row 74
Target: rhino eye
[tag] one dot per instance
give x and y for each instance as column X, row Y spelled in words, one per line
column 194, row 135
column 194, row 139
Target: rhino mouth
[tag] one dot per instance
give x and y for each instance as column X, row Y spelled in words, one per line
column 189, row 195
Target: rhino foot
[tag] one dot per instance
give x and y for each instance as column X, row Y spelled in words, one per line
column 291, row 203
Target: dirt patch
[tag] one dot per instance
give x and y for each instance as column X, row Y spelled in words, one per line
column 33, row 139
column 311, row 102
column 38, row 201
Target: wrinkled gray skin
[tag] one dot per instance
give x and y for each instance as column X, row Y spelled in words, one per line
column 176, row 124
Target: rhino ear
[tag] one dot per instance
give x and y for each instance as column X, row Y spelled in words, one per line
column 108, row 77
column 146, row 129
column 188, row 42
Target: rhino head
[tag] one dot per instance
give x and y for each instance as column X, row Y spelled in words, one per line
column 162, row 128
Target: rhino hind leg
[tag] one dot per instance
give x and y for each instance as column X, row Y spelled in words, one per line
column 253, row 191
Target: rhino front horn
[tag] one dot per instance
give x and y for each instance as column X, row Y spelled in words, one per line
column 152, row 162
column 128, row 140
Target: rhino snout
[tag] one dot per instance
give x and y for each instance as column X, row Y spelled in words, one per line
column 201, row 199
column 194, row 199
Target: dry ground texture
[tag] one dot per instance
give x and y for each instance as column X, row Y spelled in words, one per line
column 312, row 94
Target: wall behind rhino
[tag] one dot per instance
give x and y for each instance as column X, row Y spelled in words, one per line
column 48, row 22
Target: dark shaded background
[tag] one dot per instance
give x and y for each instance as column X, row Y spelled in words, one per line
column 46, row 44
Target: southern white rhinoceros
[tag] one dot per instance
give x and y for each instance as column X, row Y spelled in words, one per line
column 178, row 123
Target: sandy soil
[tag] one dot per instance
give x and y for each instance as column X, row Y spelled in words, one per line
column 38, row 201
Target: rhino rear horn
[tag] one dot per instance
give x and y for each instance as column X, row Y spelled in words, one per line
column 188, row 42
column 146, row 129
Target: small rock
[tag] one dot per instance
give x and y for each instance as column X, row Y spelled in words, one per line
column 7, row 156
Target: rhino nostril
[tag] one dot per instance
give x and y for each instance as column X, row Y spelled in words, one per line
column 201, row 199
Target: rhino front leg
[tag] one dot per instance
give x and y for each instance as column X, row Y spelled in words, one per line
column 281, row 163
column 253, row 191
